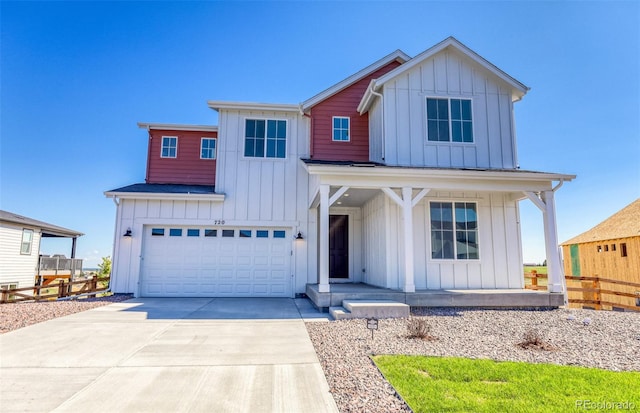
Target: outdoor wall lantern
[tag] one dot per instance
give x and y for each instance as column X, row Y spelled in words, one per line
column 127, row 233
column 299, row 236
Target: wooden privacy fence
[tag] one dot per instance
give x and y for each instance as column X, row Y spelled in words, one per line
column 62, row 289
column 592, row 291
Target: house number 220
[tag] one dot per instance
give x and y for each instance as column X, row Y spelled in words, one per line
column 218, row 222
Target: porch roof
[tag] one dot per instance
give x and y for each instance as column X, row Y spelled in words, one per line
column 47, row 230
column 376, row 175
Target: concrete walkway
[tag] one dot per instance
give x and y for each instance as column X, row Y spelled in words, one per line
column 167, row 355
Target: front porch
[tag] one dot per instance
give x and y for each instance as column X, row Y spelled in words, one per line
column 483, row 298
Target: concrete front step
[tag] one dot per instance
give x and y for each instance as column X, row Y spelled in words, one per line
column 369, row 309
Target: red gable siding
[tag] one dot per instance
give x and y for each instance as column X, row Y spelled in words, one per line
column 343, row 103
column 187, row 168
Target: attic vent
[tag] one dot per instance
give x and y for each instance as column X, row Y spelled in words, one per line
column 364, row 165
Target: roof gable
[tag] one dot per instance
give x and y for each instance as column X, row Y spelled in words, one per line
column 623, row 224
column 518, row 88
column 398, row 56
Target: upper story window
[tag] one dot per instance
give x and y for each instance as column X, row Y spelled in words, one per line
column 27, row 241
column 454, row 230
column 208, row 148
column 341, row 131
column 265, row 138
column 449, row 120
column 169, row 147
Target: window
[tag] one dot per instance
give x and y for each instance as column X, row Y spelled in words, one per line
column 454, row 230
column 228, row 233
column 606, row 248
column 210, row 232
column 175, row 232
column 265, row 138
column 341, row 129
column 623, row 249
column 157, row 232
column 599, row 248
column 278, row 234
column 169, row 147
column 449, row 120
column 208, row 148
column 193, row 233
column 27, row 241
column 613, row 247
column 262, row 234
column 245, row 233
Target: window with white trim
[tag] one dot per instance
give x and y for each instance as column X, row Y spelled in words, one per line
column 27, row 242
column 454, row 230
column 341, row 129
column 169, row 147
column 265, row 138
column 208, row 148
column 449, row 120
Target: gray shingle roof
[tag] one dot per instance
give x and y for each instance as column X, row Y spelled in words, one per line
column 48, row 230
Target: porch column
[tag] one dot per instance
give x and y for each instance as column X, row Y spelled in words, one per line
column 323, row 251
column 407, row 211
column 554, row 268
column 73, row 246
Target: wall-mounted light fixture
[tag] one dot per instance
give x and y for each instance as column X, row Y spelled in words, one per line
column 299, row 236
column 127, row 233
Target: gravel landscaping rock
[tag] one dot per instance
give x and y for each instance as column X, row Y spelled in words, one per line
column 17, row 315
column 609, row 340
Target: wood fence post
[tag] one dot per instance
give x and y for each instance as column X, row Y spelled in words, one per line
column 534, row 279
column 5, row 294
column 61, row 287
column 596, row 295
column 94, row 285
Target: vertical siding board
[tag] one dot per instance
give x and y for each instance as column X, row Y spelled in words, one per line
column 421, row 230
column 417, row 128
column 402, row 134
column 279, row 189
column 513, row 252
column 453, row 74
column 504, row 102
column 487, row 250
column 253, row 189
column 241, row 191
column 428, row 76
column 499, row 241
column 391, row 116
column 440, row 63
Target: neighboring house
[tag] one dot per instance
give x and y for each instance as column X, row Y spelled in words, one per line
column 610, row 250
column 403, row 176
column 20, row 247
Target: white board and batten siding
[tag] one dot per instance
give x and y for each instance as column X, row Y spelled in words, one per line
column 500, row 260
column 17, row 268
column 447, row 74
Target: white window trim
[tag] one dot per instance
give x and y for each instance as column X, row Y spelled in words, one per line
column 162, row 147
column 22, row 241
column 215, row 150
column 264, row 158
column 450, row 141
column 333, row 118
column 429, row 252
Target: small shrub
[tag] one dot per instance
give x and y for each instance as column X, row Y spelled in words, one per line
column 532, row 339
column 419, row 328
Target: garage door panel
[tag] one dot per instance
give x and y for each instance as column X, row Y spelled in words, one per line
column 216, row 266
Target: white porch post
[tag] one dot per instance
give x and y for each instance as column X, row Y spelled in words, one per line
column 323, row 218
column 554, row 268
column 407, row 210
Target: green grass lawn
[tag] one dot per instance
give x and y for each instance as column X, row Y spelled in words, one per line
column 539, row 269
column 450, row 384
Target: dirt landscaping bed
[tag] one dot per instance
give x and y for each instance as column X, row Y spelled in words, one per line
column 602, row 339
column 17, row 315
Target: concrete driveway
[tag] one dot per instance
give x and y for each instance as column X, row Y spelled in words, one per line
column 167, row 355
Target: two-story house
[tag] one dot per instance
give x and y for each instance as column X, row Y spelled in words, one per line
column 403, row 176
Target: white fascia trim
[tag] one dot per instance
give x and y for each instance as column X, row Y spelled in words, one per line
column 367, row 98
column 412, row 173
column 165, row 196
column 175, row 126
column 397, row 55
column 275, row 107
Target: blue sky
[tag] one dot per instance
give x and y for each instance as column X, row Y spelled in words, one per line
column 77, row 76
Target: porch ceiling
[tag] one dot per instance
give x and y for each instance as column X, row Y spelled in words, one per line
column 354, row 197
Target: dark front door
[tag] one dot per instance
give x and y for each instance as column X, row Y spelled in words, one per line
column 338, row 246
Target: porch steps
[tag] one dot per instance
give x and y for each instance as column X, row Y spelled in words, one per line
column 369, row 309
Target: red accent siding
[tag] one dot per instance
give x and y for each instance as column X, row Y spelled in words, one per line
column 343, row 103
column 187, row 167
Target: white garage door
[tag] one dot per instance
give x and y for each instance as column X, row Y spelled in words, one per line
column 215, row 262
